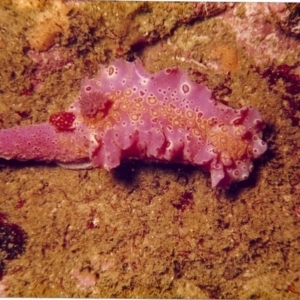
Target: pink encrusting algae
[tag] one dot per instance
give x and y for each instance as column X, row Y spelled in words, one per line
column 127, row 113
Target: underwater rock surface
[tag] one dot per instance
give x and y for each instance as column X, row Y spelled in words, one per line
column 153, row 230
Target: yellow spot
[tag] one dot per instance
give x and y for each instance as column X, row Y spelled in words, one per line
column 154, row 113
column 169, row 109
column 135, row 117
column 128, row 92
column 152, row 100
column 224, row 128
column 107, row 125
column 190, row 123
column 138, row 104
column 124, row 106
column 176, row 122
column 190, row 114
column 143, row 109
column 196, row 132
column 203, row 126
column 116, row 116
column 161, row 109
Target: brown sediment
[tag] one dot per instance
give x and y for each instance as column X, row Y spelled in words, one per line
column 148, row 230
column 227, row 55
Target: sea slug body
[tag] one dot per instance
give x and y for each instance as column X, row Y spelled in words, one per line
column 127, row 113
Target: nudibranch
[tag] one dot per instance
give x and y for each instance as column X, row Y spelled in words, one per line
column 126, row 113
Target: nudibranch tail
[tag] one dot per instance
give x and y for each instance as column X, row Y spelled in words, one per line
column 43, row 142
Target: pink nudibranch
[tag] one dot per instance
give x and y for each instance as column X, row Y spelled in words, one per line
column 127, row 113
